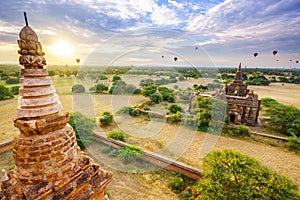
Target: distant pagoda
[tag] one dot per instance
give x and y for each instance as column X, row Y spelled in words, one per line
column 48, row 162
column 242, row 104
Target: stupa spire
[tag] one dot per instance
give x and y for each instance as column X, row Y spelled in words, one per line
column 48, row 162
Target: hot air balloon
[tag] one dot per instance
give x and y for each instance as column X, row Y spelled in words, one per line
column 162, row 56
column 77, row 60
column 175, row 59
column 255, row 54
column 274, row 53
column 290, row 59
column 297, row 61
column 196, row 48
column 277, row 60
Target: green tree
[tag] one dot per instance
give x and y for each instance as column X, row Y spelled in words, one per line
column 285, row 119
column 12, row 81
column 116, row 78
column 5, row 92
column 106, row 119
column 100, row 88
column 103, row 77
column 83, row 127
column 156, row 97
column 174, row 108
column 229, row 174
column 15, row 90
column 78, row 88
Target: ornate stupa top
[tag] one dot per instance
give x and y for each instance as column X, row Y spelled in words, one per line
column 30, row 48
column 38, row 96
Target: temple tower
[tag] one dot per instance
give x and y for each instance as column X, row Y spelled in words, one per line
column 48, row 162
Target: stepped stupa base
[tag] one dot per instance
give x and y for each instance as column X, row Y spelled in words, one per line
column 84, row 180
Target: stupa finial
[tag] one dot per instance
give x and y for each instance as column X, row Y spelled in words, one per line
column 25, row 17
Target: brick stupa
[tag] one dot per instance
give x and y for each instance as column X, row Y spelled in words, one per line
column 48, row 162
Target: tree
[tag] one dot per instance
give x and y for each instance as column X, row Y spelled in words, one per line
column 103, row 77
column 116, row 78
column 106, row 119
column 12, row 81
column 174, row 108
column 285, row 119
column 83, row 127
column 229, row 174
column 156, row 97
column 78, row 88
column 100, row 88
column 15, row 90
column 5, row 92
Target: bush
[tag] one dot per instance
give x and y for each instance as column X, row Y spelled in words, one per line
column 146, row 107
column 83, row 127
column 117, row 135
column 106, row 149
column 176, row 184
column 100, row 88
column 174, row 108
column 12, row 81
column 175, row 118
column 78, row 88
column 15, row 90
column 106, row 119
column 156, row 98
column 5, row 92
column 229, row 174
column 268, row 101
column 293, row 143
column 130, row 153
column 240, row 130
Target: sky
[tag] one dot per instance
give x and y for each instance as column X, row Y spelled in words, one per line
column 154, row 32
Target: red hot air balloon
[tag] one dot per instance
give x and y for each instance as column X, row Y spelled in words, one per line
column 77, row 60
column 255, row 54
column 274, row 53
column 175, row 59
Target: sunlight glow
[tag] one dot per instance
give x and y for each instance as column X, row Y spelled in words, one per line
column 62, row 48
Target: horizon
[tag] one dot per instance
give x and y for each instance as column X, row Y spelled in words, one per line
column 208, row 33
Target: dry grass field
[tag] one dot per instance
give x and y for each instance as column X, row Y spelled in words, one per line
column 286, row 93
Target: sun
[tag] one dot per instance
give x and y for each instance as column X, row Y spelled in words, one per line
column 62, row 48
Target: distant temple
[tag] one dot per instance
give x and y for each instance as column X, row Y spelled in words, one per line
column 242, row 104
column 48, row 162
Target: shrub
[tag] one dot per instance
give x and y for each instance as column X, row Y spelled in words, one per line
column 125, row 110
column 15, row 90
column 146, row 107
column 177, row 183
column 174, row 108
column 113, row 153
column 240, row 130
column 78, row 88
column 293, row 143
column 106, row 149
column 106, row 119
column 100, row 88
column 12, row 81
column 156, row 98
column 5, row 92
column 175, row 118
column 117, row 135
column 268, row 101
column 135, row 112
column 130, row 153
column 83, row 127
column 229, row 174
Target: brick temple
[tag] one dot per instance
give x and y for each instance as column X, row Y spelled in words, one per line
column 242, row 104
column 48, row 162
